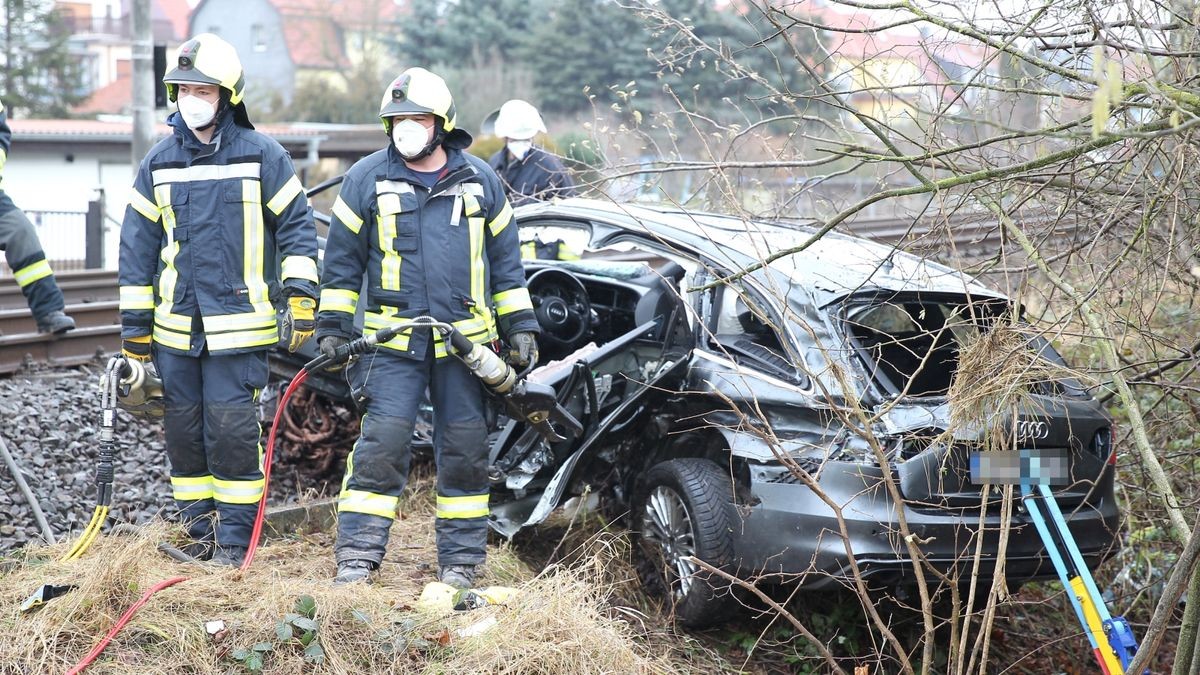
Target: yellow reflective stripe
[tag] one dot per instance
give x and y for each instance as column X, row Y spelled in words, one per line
column 529, row 251
column 136, row 297
column 375, row 320
column 222, row 323
column 338, row 300
column 144, row 206
column 241, row 339
column 470, row 203
column 478, row 267
column 471, row 506
column 238, row 491
column 169, row 276
column 347, row 215
column 254, row 247
column 3, row 157
column 31, row 273
column 176, row 322
column 197, row 172
column 169, row 338
column 286, row 194
column 512, row 300
column 390, row 264
column 190, row 488
column 501, row 220
column 360, row 501
column 300, row 267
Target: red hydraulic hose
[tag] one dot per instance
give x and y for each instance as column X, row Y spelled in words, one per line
column 258, row 522
column 87, row 660
column 262, row 503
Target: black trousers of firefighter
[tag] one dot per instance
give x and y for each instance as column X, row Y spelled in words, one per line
column 212, row 435
column 377, row 468
column 23, row 253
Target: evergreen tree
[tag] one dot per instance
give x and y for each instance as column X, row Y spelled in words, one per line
column 588, row 43
column 41, row 77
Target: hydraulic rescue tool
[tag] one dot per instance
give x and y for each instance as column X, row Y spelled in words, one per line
column 130, row 385
column 1111, row 637
column 533, row 403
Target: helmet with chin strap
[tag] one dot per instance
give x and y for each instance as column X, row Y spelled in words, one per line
column 207, row 59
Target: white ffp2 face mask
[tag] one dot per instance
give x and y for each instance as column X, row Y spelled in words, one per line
column 196, row 112
column 410, row 137
column 520, row 148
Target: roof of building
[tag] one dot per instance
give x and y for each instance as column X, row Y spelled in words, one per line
column 115, row 97
column 121, row 131
column 177, row 12
column 314, row 30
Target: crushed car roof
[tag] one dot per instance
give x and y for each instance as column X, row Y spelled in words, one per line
column 834, row 266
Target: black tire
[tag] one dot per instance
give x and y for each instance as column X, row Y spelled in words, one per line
column 703, row 493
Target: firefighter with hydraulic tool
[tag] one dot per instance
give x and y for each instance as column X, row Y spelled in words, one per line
column 218, row 233
column 24, row 254
column 430, row 228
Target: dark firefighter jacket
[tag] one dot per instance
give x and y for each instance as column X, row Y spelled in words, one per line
column 450, row 252
column 210, row 234
column 539, row 176
column 5, row 138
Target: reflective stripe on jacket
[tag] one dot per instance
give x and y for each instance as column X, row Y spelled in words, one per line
column 210, row 233
column 451, row 252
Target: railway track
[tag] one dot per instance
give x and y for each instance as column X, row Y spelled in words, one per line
column 91, row 298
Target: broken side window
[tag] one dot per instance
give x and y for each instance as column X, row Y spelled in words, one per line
column 741, row 328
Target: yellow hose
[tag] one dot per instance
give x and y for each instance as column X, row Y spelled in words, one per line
column 89, row 534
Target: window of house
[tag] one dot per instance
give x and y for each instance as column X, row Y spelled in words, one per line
column 258, row 37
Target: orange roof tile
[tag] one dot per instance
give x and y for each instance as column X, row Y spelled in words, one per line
column 116, row 97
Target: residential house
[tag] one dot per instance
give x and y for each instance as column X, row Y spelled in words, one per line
column 285, row 44
column 101, row 34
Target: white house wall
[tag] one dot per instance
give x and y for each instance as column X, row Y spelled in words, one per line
column 44, row 180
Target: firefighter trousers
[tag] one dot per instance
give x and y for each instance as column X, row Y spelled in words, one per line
column 213, row 435
column 24, row 255
column 377, row 468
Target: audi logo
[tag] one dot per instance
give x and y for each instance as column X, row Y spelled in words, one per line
column 1032, row 430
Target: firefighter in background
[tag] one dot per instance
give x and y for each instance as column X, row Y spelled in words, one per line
column 430, row 228
column 24, row 255
column 218, row 231
column 530, row 174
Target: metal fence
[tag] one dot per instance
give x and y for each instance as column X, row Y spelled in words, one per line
column 72, row 240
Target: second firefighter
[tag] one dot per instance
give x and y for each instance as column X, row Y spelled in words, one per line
column 429, row 228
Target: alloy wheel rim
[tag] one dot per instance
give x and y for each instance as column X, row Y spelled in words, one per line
column 667, row 526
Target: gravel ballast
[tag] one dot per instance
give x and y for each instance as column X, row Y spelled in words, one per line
column 52, row 423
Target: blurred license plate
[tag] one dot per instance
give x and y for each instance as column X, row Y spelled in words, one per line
column 1047, row 466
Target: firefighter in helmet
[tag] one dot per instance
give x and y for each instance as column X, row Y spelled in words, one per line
column 430, row 229
column 217, row 238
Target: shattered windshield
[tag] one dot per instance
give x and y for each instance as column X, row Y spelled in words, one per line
column 911, row 346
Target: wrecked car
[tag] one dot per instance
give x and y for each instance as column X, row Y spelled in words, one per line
column 714, row 404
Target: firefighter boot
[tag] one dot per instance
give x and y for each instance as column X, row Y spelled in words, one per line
column 458, row 576
column 56, row 322
column 353, row 571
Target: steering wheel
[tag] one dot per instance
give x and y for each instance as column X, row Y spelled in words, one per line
column 562, row 307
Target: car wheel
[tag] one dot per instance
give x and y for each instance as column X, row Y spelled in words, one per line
column 684, row 509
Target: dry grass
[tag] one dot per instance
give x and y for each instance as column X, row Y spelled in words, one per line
column 997, row 374
column 560, row 621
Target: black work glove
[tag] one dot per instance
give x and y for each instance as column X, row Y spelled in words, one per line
column 329, row 346
column 524, row 351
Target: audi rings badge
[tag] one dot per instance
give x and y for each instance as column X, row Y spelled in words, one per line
column 1032, row 430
